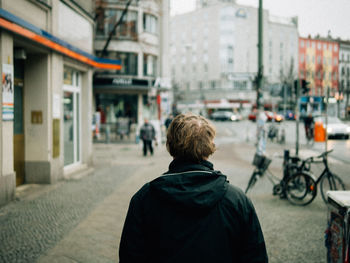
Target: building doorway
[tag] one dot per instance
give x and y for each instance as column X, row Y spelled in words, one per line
column 72, row 118
column 18, row 122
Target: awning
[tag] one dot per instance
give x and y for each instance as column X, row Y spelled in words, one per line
column 21, row 27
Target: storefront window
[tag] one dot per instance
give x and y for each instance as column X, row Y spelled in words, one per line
column 150, row 23
column 68, row 128
column 149, row 65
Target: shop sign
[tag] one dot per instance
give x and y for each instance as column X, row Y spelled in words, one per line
column 7, row 92
column 122, row 81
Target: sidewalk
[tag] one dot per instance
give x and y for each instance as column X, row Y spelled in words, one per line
column 96, row 238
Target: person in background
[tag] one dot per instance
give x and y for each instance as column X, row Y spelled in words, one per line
column 191, row 213
column 147, row 135
column 168, row 121
column 309, row 126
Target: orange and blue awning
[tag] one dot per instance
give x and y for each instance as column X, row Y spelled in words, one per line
column 21, row 27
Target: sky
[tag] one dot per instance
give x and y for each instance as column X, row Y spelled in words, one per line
column 315, row 16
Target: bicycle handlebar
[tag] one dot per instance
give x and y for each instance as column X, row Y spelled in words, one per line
column 312, row 158
column 324, row 154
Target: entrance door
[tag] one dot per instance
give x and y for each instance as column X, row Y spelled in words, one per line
column 71, row 106
column 18, row 124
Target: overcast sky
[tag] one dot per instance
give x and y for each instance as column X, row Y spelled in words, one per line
column 315, row 16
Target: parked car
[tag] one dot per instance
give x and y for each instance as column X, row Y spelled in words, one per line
column 269, row 115
column 225, row 116
column 335, row 127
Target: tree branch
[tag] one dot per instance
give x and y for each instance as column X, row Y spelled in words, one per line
column 103, row 53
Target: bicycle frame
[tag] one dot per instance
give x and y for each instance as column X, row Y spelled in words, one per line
column 325, row 171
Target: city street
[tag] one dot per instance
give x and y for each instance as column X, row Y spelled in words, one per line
column 80, row 219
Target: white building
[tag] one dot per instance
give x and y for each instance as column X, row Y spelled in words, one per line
column 214, row 52
column 141, row 43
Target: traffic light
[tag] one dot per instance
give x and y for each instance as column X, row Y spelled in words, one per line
column 305, row 86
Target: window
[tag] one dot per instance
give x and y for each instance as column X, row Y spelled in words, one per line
column 301, row 43
column 302, row 58
column 205, row 67
column 318, row 75
column 127, row 29
column 212, row 84
column 313, row 44
column 200, row 85
column 150, row 23
column 324, row 46
column 319, row 45
column 149, row 65
column 335, row 61
column 101, row 28
column 335, row 47
column 319, row 59
column 128, row 62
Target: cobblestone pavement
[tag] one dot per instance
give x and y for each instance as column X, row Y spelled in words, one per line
column 28, row 228
column 81, row 220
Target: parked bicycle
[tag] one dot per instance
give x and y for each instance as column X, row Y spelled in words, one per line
column 327, row 180
column 294, row 185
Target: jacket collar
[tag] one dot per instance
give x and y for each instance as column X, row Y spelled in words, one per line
column 179, row 165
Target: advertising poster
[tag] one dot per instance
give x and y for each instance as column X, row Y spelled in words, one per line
column 7, row 92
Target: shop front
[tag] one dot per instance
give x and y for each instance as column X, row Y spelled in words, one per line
column 46, row 88
column 121, row 105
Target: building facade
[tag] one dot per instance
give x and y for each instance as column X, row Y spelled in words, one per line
column 47, row 68
column 214, row 58
column 318, row 65
column 140, row 89
column 344, row 79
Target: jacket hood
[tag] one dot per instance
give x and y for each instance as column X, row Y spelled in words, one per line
column 190, row 185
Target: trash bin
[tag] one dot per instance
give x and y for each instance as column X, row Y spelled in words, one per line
column 320, row 132
column 337, row 232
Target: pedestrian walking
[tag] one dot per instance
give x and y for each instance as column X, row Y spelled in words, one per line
column 147, row 134
column 191, row 213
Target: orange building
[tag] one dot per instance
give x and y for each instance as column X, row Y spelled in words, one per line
column 318, row 64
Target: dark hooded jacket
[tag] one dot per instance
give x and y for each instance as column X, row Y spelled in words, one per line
column 191, row 214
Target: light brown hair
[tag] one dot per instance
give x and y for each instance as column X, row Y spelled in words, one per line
column 191, row 137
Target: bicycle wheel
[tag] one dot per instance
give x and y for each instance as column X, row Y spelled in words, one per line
column 330, row 182
column 300, row 189
column 252, row 181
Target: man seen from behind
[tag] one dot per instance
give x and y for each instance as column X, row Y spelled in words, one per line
column 191, row 213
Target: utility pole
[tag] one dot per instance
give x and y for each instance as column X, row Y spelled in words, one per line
column 261, row 118
column 259, row 76
column 297, row 95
